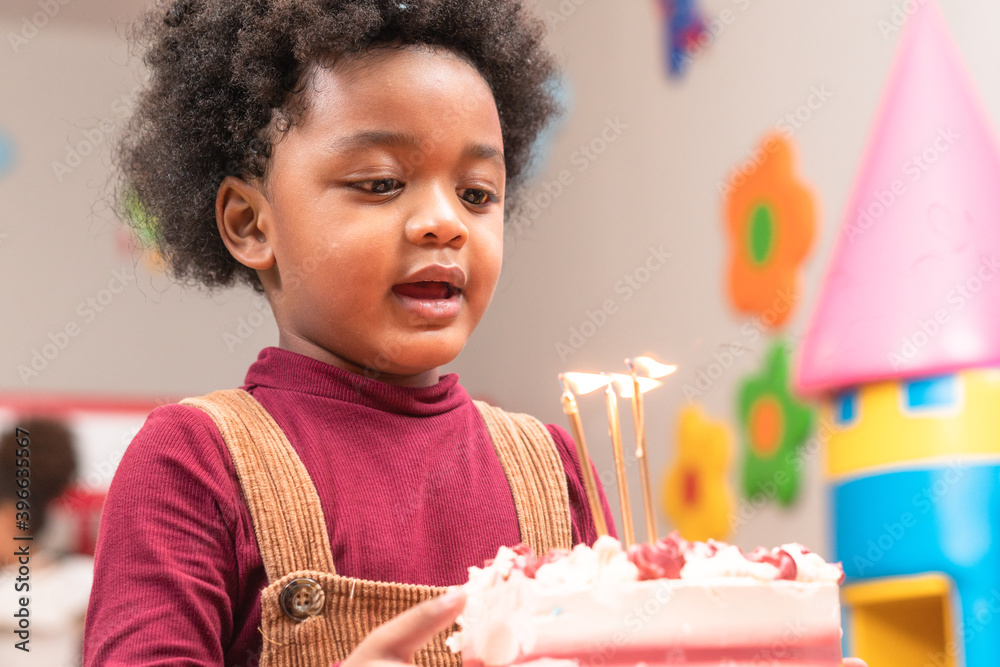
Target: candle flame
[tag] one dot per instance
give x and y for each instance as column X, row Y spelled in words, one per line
column 584, row 383
column 626, row 388
column 650, row 367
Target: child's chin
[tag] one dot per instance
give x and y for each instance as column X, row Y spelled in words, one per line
column 418, row 364
column 413, row 356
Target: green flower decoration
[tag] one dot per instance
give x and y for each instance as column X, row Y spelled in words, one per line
column 144, row 226
column 774, row 426
column 143, row 223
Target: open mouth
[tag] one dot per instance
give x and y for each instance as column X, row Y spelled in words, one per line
column 428, row 300
column 427, row 290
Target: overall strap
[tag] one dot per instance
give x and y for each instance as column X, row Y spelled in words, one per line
column 295, row 538
column 536, row 476
column 273, row 478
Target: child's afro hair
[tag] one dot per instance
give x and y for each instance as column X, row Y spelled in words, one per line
column 223, row 71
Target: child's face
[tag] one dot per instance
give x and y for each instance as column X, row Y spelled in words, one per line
column 385, row 214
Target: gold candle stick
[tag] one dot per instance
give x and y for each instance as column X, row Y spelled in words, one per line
column 651, row 369
column 573, row 414
column 614, row 426
column 626, row 388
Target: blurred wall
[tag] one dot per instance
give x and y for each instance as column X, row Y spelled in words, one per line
column 113, row 325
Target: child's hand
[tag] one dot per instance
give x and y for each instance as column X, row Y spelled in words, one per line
column 395, row 641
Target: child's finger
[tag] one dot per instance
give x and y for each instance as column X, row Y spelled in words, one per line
column 398, row 639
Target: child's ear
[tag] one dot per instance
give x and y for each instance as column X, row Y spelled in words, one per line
column 241, row 212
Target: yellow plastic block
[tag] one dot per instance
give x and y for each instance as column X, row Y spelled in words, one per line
column 902, row 621
column 884, row 435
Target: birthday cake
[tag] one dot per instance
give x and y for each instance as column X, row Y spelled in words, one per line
column 669, row 603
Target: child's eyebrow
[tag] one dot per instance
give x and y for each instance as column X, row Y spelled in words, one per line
column 485, row 152
column 375, row 139
column 403, row 141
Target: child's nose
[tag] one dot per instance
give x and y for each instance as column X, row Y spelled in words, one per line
column 437, row 220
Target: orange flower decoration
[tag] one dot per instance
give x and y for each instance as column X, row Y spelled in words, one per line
column 696, row 495
column 771, row 220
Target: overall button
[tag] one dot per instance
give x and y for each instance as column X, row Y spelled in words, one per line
column 302, row 598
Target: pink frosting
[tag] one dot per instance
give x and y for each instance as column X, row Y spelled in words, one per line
column 779, row 558
column 532, row 562
column 661, row 560
column 666, row 558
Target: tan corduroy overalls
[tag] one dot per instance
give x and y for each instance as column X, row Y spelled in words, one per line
column 310, row 615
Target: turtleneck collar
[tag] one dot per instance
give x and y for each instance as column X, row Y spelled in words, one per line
column 282, row 369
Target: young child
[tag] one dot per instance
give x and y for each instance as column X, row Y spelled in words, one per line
column 351, row 159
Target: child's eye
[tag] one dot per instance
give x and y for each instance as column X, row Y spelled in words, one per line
column 477, row 197
column 382, row 186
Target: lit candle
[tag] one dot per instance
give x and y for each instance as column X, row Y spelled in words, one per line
column 650, row 369
column 583, row 383
column 614, row 426
column 626, row 388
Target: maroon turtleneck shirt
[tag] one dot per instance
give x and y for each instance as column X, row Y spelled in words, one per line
column 411, row 488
